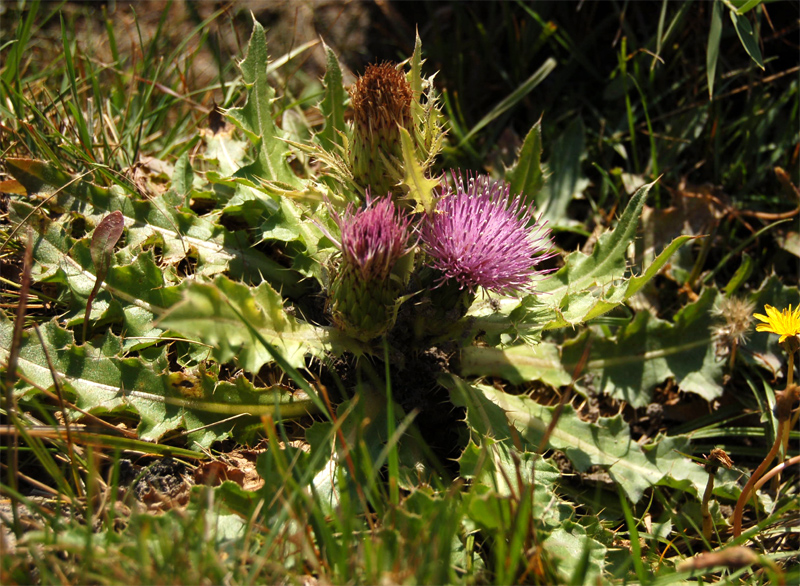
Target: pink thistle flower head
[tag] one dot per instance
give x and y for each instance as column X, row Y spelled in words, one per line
column 373, row 238
column 481, row 236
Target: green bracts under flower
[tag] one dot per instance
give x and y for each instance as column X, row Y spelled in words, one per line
column 363, row 309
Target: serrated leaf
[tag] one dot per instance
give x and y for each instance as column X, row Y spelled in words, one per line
column 494, row 472
column 293, row 223
column 568, row 544
column 517, row 364
column 414, row 77
column 206, row 314
column 586, row 287
column 103, row 384
column 255, row 117
column 526, row 176
column 420, row 188
column 212, row 248
column 605, row 264
column 228, row 152
column 607, row 443
column 648, row 351
column 138, row 287
column 642, row 355
column 332, row 105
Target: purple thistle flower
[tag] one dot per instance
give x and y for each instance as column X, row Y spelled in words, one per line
column 363, row 297
column 373, row 238
column 481, row 236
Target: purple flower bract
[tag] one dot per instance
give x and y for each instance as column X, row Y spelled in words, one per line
column 373, row 238
column 481, row 236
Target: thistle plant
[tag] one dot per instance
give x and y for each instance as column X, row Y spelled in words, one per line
column 207, row 326
column 364, row 293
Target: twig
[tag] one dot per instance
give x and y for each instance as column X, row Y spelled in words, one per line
column 57, row 385
column 11, row 371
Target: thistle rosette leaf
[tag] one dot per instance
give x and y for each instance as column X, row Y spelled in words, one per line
column 483, row 237
column 364, row 294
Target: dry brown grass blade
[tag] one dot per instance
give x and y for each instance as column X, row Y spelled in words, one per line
column 11, row 371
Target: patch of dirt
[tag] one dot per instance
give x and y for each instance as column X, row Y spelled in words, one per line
column 163, row 485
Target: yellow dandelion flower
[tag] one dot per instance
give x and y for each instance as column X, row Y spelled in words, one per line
column 785, row 323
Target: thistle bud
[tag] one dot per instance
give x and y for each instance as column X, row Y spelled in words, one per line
column 364, row 293
column 381, row 101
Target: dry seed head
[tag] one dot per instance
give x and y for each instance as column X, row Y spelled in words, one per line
column 737, row 314
column 720, row 457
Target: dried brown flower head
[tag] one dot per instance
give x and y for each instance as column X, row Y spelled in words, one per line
column 720, row 457
column 381, row 99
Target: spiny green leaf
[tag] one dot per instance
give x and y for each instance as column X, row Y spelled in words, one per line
column 586, row 287
column 648, row 351
column 605, row 264
column 103, row 383
column 205, row 314
column 420, row 188
column 332, row 105
column 629, row 366
column 494, row 468
column 526, row 176
column 228, row 152
column 517, row 364
column 568, row 544
column 255, row 117
column 158, row 219
column 607, row 443
column 293, row 223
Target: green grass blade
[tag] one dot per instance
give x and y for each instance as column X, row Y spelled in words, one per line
column 513, row 98
column 712, row 48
